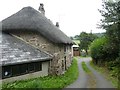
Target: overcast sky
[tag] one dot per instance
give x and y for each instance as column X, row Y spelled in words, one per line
column 74, row 16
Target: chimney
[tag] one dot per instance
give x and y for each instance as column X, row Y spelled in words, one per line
column 41, row 8
column 57, row 24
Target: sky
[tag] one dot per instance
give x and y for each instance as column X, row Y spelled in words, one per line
column 74, row 16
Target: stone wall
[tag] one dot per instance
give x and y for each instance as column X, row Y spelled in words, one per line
column 58, row 64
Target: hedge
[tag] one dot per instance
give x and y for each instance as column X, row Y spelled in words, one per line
column 98, row 48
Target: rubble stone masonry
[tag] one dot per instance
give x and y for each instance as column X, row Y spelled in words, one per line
column 61, row 53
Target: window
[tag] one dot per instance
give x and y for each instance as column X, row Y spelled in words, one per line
column 63, row 66
column 31, row 67
column 67, row 48
column 38, row 66
column 19, row 69
column 15, row 70
column 0, row 73
column 23, row 68
column 6, row 71
column 64, row 48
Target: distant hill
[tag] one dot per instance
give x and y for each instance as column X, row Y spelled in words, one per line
column 77, row 42
column 99, row 34
column 76, row 38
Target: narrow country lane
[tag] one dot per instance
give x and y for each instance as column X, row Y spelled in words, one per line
column 81, row 82
column 101, row 82
column 84, row 80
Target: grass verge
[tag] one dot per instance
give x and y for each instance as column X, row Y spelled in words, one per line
column 85, row 68
column 106, row 73
column 91, row 82
column 49, row 81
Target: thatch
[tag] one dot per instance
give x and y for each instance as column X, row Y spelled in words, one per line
column 31, row 19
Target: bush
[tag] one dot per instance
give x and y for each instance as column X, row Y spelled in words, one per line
column 98, row 48
column 103, row 49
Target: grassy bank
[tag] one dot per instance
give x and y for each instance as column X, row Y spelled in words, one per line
column 49, row 81
column 85, row 68
column 106, row 73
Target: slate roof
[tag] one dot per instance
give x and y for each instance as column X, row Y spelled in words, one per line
column 30, row 19
column 16, row 51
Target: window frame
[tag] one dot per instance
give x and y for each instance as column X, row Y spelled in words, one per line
column 20, row 67
column 3, row 72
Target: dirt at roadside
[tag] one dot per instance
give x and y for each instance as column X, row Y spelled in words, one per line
column 91, row 81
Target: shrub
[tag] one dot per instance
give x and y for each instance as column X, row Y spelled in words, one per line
column 101, row 50
column 97, row 48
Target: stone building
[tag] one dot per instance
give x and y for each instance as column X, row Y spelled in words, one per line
column 33, row 28
column 21, row 61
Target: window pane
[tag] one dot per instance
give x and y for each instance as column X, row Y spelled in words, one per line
column 31, row 67
column 0, row 72
column 38, row 66
column 64, row 48
column 23, row 68
column 6, row 71
column 15, row 70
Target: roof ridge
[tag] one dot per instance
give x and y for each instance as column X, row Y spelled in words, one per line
column 30, row 19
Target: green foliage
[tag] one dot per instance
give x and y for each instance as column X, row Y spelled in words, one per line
column 77, row 42
column 63, row 80
column 111, row 23
column 107, row 48
column 31, row 83
column 71, row 37
column 85, row 40
column 109, row 74
column 85, row 68
column 76, row 37
column 110, row 12
column 98, row 48
column 99, row 34
column 49, row 81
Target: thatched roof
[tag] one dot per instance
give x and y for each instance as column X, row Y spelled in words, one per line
column 15, row 51
column 31, row 19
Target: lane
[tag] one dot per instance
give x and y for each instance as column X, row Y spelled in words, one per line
column 91, row 80
column 101, row 81
column 94, row 80
column 81, row 82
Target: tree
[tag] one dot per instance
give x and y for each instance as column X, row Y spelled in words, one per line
column 85, row 40
column 71, row 37
column 111, row 23
column 76, row 37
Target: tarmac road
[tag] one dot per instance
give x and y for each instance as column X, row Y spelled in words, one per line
column 94, row 80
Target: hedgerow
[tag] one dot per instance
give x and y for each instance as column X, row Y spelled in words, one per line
column 98, row 48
